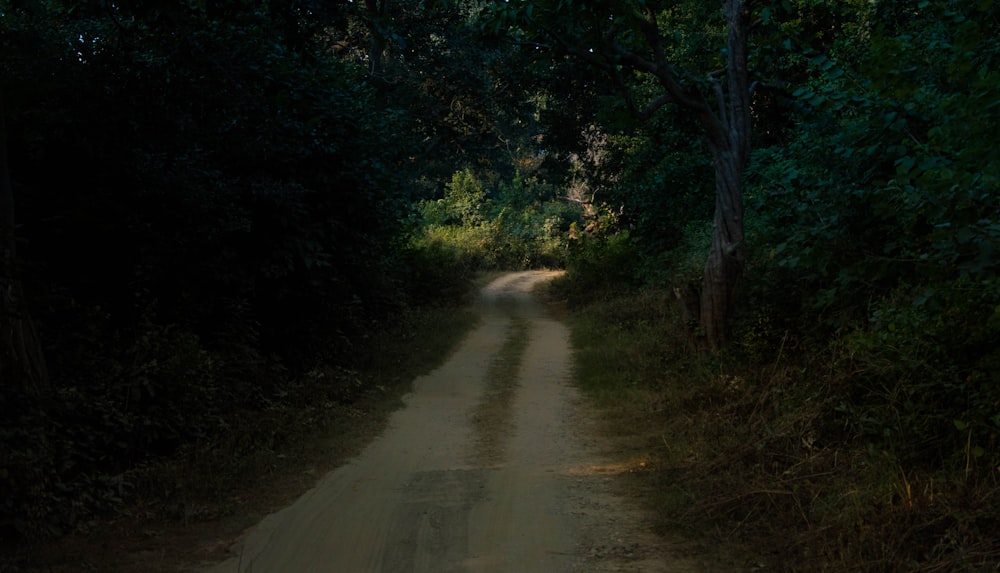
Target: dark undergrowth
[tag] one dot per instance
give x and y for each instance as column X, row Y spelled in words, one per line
column 803, row 456
column 260, row 459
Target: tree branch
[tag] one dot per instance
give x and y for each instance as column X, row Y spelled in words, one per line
column 659, row 67
column 648, row 111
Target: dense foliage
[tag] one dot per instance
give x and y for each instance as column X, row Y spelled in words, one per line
column 879, row 217
column 872, row 195
column 218, row 199
column 870, row 313
column 203, row 204
column 524, row 224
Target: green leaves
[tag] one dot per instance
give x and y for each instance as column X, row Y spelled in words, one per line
column 237, row 196
column 522, row 224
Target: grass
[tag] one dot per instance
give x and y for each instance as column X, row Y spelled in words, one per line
column 755, row 453
column 493, row 417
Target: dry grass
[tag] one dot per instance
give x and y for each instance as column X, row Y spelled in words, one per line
column 492, row 419
column 758, row 455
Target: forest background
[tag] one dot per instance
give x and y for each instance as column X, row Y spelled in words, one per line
column 218, row 203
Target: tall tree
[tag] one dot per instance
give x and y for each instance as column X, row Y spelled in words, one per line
column 635, row 39
column 21, row 359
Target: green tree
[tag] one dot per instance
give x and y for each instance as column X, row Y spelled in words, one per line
column 465, row 198
column 879, row 204
column 424, row 57
column 225, row 215
column 629, row 40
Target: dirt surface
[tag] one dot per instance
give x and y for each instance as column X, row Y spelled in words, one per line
column 474, row 474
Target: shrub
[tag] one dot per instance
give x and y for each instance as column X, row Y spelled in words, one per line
column 522, row 226
column 600, row 263
column 436, row 269
column 926, row 379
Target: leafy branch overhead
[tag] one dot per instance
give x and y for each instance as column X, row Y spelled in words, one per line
column 632, row 42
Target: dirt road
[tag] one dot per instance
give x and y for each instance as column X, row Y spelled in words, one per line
column 479, row 472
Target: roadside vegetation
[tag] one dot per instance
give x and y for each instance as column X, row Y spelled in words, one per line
column 852, row 422
column 802, row 456
column 224, row 247
column 265, row 456
column 520, row 224
column 228, row 248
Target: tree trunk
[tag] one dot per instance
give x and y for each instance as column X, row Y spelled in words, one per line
column 376, row 13
column 21, row 359
column 726, row 121
column 729, row 139
column 724, row 266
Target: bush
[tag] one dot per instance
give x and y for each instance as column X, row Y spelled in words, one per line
column 66, row 452
column 522, row 226
column 927, row 374
column 601, row 263
column 436, row 269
